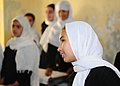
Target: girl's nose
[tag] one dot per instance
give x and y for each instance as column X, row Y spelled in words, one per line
column 13, row 28
column 58, row 49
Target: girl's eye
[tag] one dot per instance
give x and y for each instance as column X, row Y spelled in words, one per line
column 13, row 26
column 62, row 40
column 18, row 26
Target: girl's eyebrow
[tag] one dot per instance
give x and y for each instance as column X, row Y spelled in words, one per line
column 61, row 37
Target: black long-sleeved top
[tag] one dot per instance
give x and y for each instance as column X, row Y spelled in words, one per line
column 99, row 76
column 102, row 76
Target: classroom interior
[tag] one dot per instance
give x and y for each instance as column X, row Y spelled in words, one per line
column 103, row 15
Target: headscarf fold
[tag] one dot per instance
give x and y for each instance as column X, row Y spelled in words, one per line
column 87, row 50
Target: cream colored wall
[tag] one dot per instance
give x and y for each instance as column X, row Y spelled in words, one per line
column 103, row 15
column 1, row 24
column 20, row 7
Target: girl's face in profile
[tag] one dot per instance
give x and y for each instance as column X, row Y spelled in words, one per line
column 65, row 48
column 16, row 29
column 49, row 14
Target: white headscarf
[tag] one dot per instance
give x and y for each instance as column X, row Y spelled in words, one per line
column 35, row 36
column 87, row 50
column 64, row 5
column 56, row 29
column 27, row 56
column 25, row 38
column 45, row 37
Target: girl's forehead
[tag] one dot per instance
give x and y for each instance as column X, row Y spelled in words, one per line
column 63, row 31
column 15, row 20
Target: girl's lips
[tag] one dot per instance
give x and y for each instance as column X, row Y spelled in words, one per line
column 62, row 55
column 14, row 32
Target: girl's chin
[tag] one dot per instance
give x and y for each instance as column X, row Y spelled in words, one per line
column 65, row 60
column 63, row 56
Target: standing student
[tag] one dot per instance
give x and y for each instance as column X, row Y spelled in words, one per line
column 50, row 20
column 64, row 15
column 34, row 35
column 21, row 57
column 85, row 52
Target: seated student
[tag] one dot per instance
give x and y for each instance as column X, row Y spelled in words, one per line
column 35, row 36
column 117, row 61
column 85, row 52
column 21, row 57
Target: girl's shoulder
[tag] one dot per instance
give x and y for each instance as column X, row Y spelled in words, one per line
column 103, row 70
column 102, row 76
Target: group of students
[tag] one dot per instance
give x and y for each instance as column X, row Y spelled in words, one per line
column 79, row 53
column 50, row 37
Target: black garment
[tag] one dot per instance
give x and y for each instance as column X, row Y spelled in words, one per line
column 43, row 56
column 70, row 78
column 55, row 60
column 44, row 26
column 43, row 60
column 9, row 72
column 99, row 76
column 117, row 61
column 67, row 80
column 57, row 81
column 23, row 77
column 102, row 76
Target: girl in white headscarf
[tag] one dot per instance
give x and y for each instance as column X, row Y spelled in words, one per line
column 46, row 29
column 21, row 56
column 85, row 52
column 64, row 15
column 34, row 35
column 50, row 17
